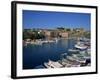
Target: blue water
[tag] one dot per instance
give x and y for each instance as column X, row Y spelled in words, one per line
column 35, row 55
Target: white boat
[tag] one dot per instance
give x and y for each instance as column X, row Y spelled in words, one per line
column 71, row 58
column 48, row 41
column 36, row 43
column 53, row 64
column 89, row 51
column 73, row 50
column 68, row 63
column 56, row 40
column 51, row 41
column 77, row 59
column 80, row 46
column 86, row 55
column 81, row 60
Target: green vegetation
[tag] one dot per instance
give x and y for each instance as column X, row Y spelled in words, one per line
column 87, row 34
column 64, row 29
column 32, row 34
column 60, row 28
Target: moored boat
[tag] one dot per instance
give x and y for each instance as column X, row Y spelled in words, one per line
column 80, row 46
column 73, row 50
column 52, row 64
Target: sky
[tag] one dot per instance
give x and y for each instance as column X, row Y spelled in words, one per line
column 52, row 20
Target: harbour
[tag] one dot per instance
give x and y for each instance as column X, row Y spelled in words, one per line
column 52, row 54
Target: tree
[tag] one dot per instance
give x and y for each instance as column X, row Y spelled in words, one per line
column 68, row 29
column 87, row 34
column 60, row 28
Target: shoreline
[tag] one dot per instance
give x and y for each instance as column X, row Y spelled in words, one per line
column 41, row 41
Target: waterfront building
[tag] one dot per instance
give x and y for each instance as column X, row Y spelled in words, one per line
column 64, row 34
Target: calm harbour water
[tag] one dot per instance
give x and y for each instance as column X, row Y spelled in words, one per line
column 35, row 55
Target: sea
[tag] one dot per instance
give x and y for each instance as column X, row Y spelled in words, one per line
column 34, row 56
